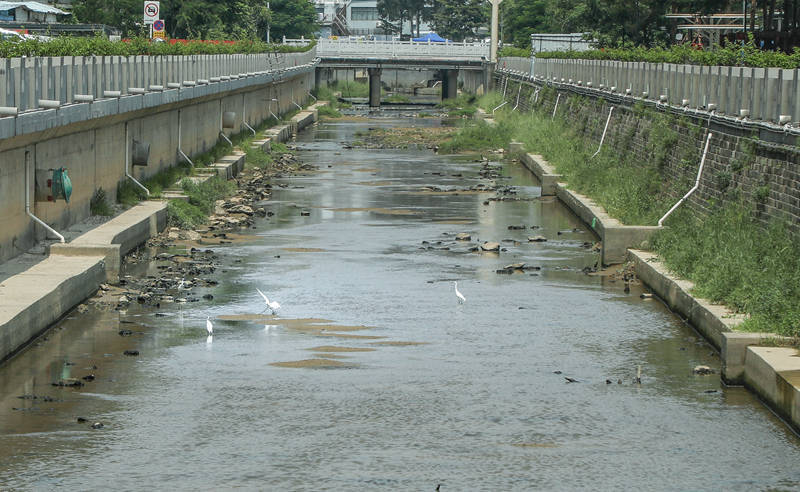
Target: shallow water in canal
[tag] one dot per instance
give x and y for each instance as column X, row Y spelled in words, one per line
column 390, row 383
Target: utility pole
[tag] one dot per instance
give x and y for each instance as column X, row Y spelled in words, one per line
column 270, row 14
column 495, row 22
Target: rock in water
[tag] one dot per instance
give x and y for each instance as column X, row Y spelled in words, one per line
column 702, row 370
column 463, row 236
column 537, row 239
column 490, row 246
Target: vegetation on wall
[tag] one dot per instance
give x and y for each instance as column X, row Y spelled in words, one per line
column 730, row 255
column 733, row 260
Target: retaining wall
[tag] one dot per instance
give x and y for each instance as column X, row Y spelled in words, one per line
column 92, row 146
column 761, row 165
column 766, row 93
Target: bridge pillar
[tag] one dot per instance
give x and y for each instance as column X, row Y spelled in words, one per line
column 374, row 87
column 449, row 84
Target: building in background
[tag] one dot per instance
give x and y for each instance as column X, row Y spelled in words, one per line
column 354, row 18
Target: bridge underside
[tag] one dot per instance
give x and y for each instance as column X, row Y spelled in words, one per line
column 448, row 68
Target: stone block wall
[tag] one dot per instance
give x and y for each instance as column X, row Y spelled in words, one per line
column 762, row 168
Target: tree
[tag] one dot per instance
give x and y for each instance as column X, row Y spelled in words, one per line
column 399, row 11
column 293, row 19
column 124, row 14
column 521, row 18
column 458, row 19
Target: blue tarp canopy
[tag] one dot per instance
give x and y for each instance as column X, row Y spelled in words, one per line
column 432, row 37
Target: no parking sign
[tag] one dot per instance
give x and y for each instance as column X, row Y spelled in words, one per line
column 158, row 29
column 151, row 11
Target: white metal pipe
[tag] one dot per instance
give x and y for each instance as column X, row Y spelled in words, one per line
column 498, row 107
column 270, row 109
column 127, row 161
column 518, row 93
column 312, row 95
column 558, row 98
column 696, row 183
column 28, row 201
column 602, row 139
column 180, row 150
column 244, row 114
column 221, row 128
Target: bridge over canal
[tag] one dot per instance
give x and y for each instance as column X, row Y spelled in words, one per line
column 468, row 60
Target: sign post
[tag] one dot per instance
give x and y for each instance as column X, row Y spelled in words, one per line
column 152, row 10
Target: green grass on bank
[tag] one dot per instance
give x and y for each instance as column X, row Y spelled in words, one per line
column 349, row 88
column 202, row 198
column 732, row 260
column 629, row 189
column 728, row 255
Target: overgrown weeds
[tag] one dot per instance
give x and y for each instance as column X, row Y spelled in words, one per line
column 733, row 260
column 202, row 198
column 99, row 205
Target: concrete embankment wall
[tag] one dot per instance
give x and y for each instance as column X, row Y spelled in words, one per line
column 92, row 146
column 764, row 172
column 762, row 165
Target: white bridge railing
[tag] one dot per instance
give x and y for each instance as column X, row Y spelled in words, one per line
column 25, row 82
column 361, row 48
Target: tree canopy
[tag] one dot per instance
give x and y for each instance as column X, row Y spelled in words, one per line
column 206, row 19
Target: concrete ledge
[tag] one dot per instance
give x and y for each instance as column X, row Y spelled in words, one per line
column 263, row 144
column 616, row 237
column 36, row 298
column 774, row 374
column 711, row 320
column 541, row 169
column 734, row 352
column 114, row 239
column 302, row 120
column 229, row 166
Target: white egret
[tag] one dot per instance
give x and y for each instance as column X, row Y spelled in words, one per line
column 272, row 306
column 209, row 326
column 461, row 298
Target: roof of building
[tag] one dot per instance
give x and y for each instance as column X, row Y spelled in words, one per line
column 32, row 6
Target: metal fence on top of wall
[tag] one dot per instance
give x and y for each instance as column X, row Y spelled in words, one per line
column 27, row 80
column 766, row 94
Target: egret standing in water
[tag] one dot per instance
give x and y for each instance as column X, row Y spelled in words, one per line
column 209, row 326
column 272, row 306
column 460, row 296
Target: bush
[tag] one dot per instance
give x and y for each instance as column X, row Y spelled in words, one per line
column 732, row 55
column 98, row 46
column 514, row 51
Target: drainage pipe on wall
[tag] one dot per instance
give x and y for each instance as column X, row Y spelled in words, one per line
column 518, row 93
column 244, row 115
column 696, row 183
column 127, row 161
column 180, row 151
column 602, row 139
column 498, row 107
column 28, row 200
column 292, row 97
column 221, row 131
column 555, row 108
